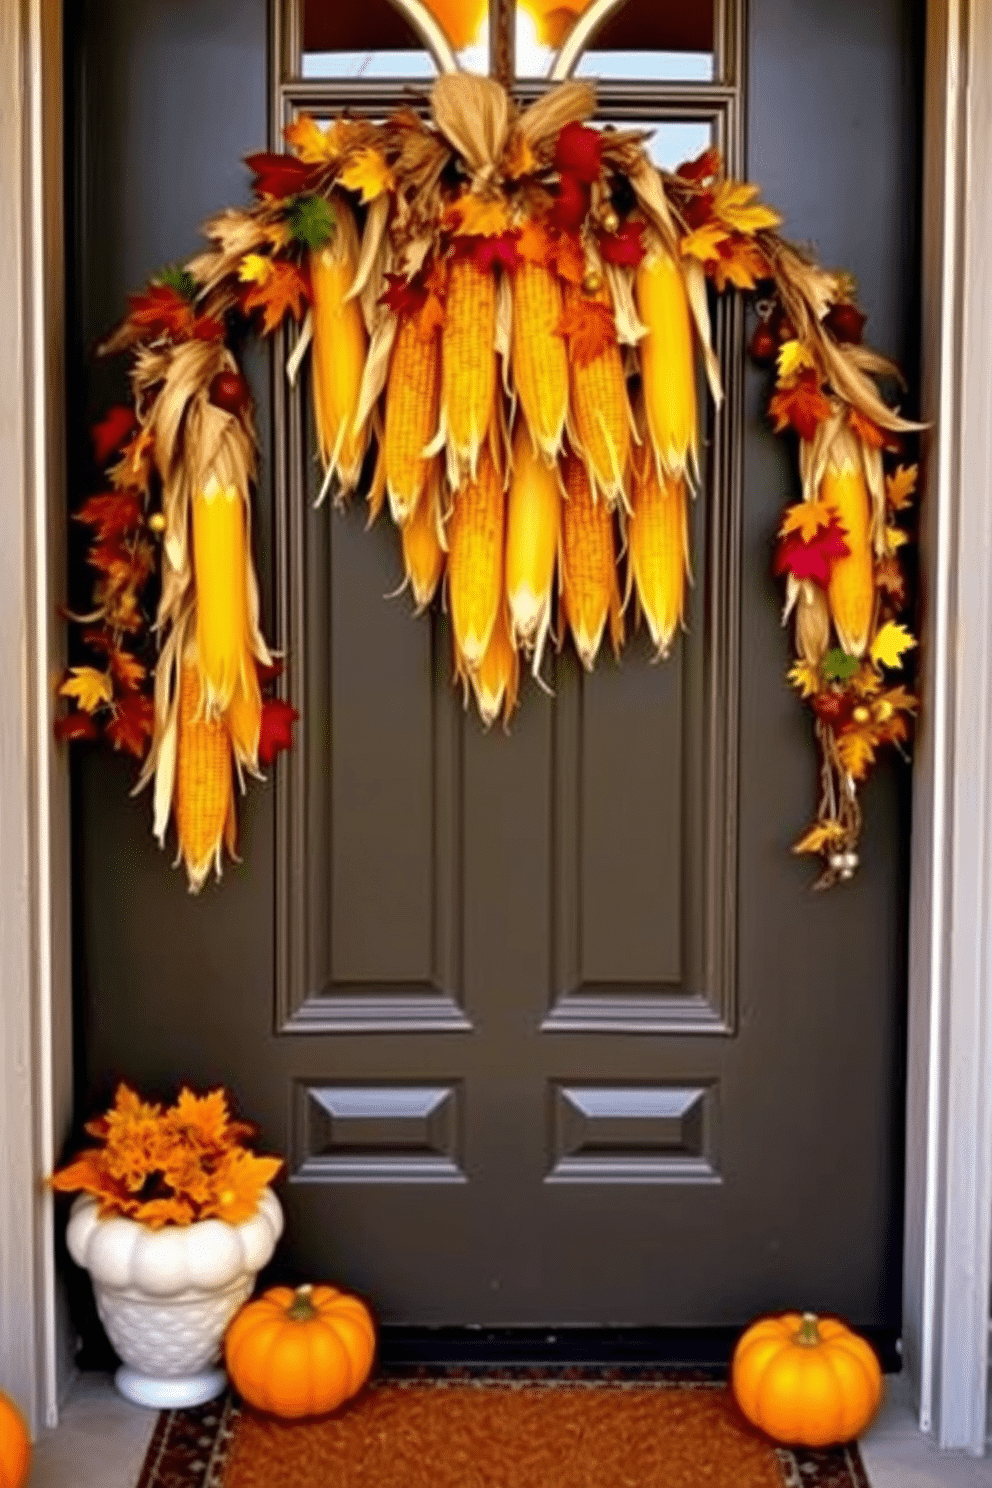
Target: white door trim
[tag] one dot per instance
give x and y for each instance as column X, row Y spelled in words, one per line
column 949, row 1132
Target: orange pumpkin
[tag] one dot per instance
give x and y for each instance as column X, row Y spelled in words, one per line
column 300, row 1353
column 15, row 1445
column 806, row 1381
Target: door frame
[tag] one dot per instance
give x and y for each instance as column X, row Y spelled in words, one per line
column 948, row 1193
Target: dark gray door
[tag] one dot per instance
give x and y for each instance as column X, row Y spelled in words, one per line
column 549, row 1026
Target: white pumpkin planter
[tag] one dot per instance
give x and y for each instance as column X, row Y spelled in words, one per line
column 166, row 1296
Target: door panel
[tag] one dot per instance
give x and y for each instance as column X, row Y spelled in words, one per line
column 549, row 1026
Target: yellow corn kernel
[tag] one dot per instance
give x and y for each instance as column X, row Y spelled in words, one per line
column 668, row 366
column 468, row 363
column 475, row 559
column 221, row 567
column 497, row 679
column 412, row 395
column 340, row 345
column 589, row 589
column 658, row 538
column 600, row 421
column 539, row 356
column 533, row 523
column 204, row 790
column 423, row 552
column 851, row 591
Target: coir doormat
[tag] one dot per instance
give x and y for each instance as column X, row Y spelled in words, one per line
column 500, row 1430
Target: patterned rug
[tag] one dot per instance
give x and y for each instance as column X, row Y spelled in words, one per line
column 460, row 1428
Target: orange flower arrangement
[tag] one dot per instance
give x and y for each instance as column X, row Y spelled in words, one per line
column 170, row 1167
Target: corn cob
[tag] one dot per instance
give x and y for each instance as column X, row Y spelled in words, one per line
column 851, row 591
column 496, row 680
column 667, row 362
column 658, row 534
column 221, row 566
column 475, row 560
column 589, row 589
column 539, row 357
column 204, row 792
column 423, row 553
column 412, row 394
column 468, row 364
column 533, row 524
column 339, row 349
column 599, row 422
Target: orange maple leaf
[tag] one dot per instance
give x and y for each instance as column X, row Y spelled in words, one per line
column 133, row 723
column 901, row 486
column 589, row 328
column 704, row 242
column 739, row 261
column 803, row 406
column 807, row 518
column 285, row 291
column 856, row 751
column 133, row 470
column 128, row 671
column 866, row 429
column 238, row 1183
column 534, row 243
column 478, row 217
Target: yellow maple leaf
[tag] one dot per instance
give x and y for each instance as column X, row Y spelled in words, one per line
column 821, row 838
column 477, row 216
column 518, row 157
column 900, row 486
column 90, row 688
column 255, row 268
column 704, row 242
column 890, row 643
column 735, row 205
column 313, row 145
column 856, row 751
column 805, row 678
column 368, row 173
column 895, row 538
column 806, row 518
column 793, row 358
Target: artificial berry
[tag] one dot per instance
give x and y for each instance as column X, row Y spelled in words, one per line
column 845, row 322
column 831, row 706
column 764, row 343
column 230, row 391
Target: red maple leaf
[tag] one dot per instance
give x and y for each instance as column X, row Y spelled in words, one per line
column 625, row 246
column 403, row 296
column 132, row 724
column 803, row 406
column 705, row 167
column 207, row 328
column 815, row 559
column 110, row 433
column 112, row 514
column 160, row 310
column 579, row 152
column 76, row 725
column 501, row 249
column 276, row 732
column 268, row 672
column 279, row 175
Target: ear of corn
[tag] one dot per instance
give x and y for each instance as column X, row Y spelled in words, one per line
column 204, row 789
column 668, row 364
column 412, row 398
column 539, row 356
column 533, row 524
column 468, row 364
column 658, row 537
column 600, row 418
column 590, row 592
column 497, row 679
column 221, row 568
column 244, row 719
column 340, row 345
column 851, row 592
column 475, row 560
column 423, row 553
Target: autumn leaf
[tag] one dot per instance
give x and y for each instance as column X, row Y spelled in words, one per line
column 890, row 580
column 534, row 243
column 478, row 217
column 813, row 558
column 802, row 406
column 571, row 204
column 822, row 838
column 890, row 644
column 867, row 430
column 739, row 262
column 625, row 246
column 310, row 143
column 157, row 1213
column 805, row 678
column 238, row 1184
column 837, row 666
column 368, row 174
column 133, row 724
column 110, row 433
column 311, row 221
column 793, row 358
column 895, row 538
column 90, row 688
column 568, row 259
column 160, row 310
column 900, row 487
column 704, row 242
column 589, row 328
column 276, row 732
column 279, row 176
column 255, row 268
column 112, row 513
column 579, row 152
column 126, row 669
column 136, row 463
column 75, row 725
column 518, row 157
column 735, row 204
column 201, row 1118
column 705, row 167
column 856, row 751
column 806, row 518
column 286, row 291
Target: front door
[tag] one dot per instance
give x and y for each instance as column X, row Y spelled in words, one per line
column 549, row 1025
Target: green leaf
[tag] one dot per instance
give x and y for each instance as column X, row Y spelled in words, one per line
column 179, row 278
column 837, row 666
column 311, row 220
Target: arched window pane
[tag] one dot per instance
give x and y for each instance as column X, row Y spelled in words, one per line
column 361, row 38
column 674, row 141
column 643, row 40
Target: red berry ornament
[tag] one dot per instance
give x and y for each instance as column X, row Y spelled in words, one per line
column 764, row 343
column 846, row 322
column 230, row 391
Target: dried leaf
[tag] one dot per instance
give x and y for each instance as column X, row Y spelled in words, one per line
column 900, row 487
column 867, row 430
column 822, row 838
column 814, row 558
column 126, row 669
column 890, row 644
column 76, row 725
column 856, row 751
column 255, row 268
column 837, row 666
column 803, row 406
column 112, row 514
column 279, row 176
column 284, row 292
column 160, row 310
column 704, row 242
column 735, row 204
column 739, row 262
column 133, row 723
column 368, row 174
column 110, row 433
column 589, row 328
column 276, row 732
column 705, row 167
column 311, row 144
column 805, row 678
column 91, row 689
column 478, row 216
column 806, row 518
column 793, row 358
column 625, row 247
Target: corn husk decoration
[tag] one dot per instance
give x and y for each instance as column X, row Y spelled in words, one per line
column 481, row 293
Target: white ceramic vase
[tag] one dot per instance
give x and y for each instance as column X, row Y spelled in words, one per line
column 166, row 1296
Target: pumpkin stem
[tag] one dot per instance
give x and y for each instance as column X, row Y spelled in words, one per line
column 808, row 1335
column 301, row 1309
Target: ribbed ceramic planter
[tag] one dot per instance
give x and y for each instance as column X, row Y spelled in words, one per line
column 166, row 1296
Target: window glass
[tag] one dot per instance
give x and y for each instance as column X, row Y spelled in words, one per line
column 643, row 40
column 361, row 39
column 674, row 141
